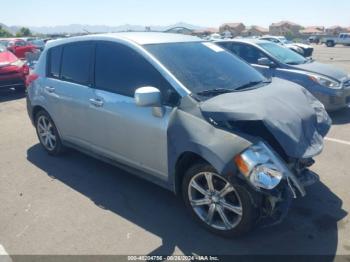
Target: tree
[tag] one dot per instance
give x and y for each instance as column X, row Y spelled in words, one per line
column 4, row 33
column 24, row 31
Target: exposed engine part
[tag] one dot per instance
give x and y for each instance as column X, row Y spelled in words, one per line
column 275, row 208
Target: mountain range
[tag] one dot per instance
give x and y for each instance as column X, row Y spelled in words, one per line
column 83, row 28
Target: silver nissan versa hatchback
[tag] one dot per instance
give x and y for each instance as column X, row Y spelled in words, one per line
column 185, row 114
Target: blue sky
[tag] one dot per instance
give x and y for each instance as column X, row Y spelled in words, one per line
column 164, row 12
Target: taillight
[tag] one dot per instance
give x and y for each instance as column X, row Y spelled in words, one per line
column 25, row 69
column 30, row 79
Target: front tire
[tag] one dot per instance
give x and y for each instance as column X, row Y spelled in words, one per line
column 222, row 207
column 48, row 134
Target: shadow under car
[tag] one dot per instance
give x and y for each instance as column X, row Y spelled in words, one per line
column 310, row 227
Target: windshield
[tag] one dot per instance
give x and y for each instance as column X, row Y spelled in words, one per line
column 204, row 66
column 4, row 42
column 283, row 54
column 37, row 42
column 2, row 48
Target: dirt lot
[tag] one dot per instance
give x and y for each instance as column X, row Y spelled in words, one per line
column 77, row 205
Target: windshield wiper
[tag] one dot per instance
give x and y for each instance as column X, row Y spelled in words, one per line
column 252, row 83
column 214, row 91
column 217, row 91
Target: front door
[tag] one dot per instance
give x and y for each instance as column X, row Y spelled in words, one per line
column 119, row 128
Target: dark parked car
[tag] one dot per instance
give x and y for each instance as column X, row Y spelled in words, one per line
column 327, row 83
column 314, row 39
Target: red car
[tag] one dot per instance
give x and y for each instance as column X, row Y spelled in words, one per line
column 13, row 71
column 20, row 48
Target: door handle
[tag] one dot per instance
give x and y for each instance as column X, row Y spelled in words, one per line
column 96, row 102
column 49, row 89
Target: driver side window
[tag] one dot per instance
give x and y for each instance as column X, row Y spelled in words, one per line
column 250, row 54
column 121, row 70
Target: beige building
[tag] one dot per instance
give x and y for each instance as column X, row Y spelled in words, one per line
column 313, row 30
column 205, row 31
column 234, row 29
column 285, row 28
column 255, row 30
column 335, row 30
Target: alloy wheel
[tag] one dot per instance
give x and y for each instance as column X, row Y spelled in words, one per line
column 215, row 201
column 46, row 133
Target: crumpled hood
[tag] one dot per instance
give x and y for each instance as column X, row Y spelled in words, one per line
column 290, row 113
column 323, row 69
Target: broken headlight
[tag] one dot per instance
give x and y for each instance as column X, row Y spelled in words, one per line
column 258, row 165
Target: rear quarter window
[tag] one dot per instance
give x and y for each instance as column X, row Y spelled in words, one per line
column 54, row 62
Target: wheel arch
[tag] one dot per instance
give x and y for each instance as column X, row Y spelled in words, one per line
column 190, row 157
column 36, row 109
column 183, row 163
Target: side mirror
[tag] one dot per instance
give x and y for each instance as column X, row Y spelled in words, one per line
column 149, row 96
column 266, row 62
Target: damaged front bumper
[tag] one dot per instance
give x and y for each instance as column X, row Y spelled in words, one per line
column 277, row 181
column 276, row 203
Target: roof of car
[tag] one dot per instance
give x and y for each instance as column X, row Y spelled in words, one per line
column 140, row 38
column 245, row 40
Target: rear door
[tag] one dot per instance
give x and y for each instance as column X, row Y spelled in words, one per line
column 68, row 89
column 119, row 128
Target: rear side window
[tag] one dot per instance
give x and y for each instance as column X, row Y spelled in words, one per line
column 54, row 62
column 120, row 69
column 76, row 62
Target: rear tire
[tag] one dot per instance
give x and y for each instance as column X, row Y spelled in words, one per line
column 228, row 215
column 47, row 133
